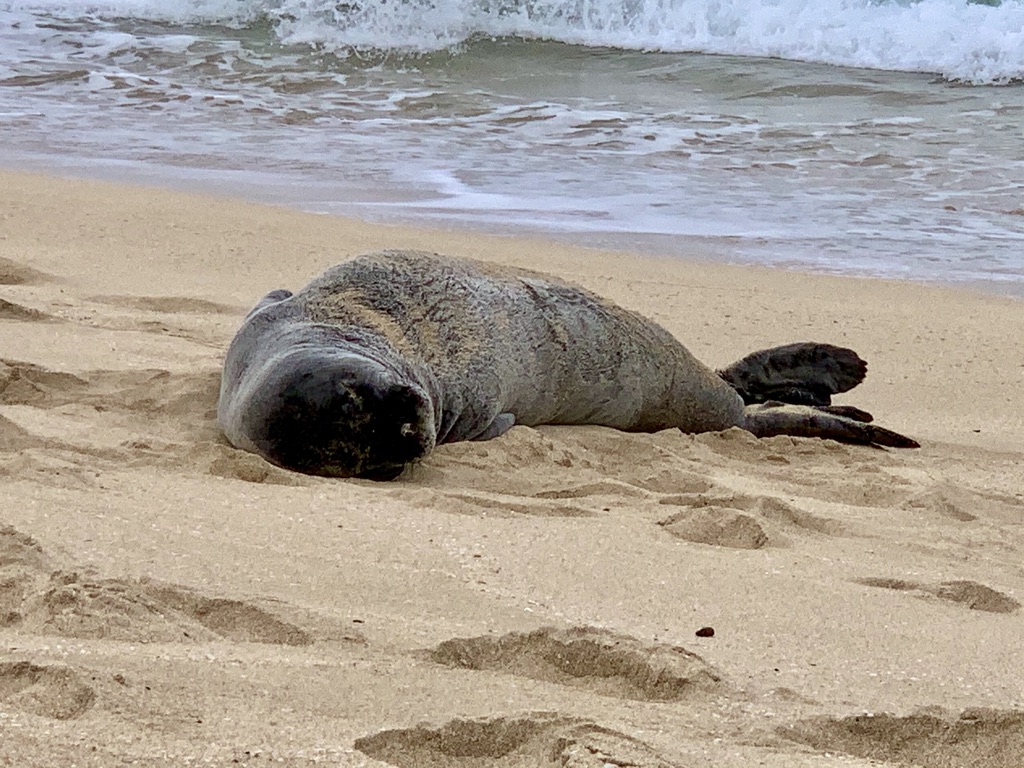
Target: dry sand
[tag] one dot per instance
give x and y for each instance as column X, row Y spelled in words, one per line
column 531, row 601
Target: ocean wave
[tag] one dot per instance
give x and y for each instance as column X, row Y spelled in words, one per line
column 975, row 42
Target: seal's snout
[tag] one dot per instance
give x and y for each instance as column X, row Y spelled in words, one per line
column 346, row 420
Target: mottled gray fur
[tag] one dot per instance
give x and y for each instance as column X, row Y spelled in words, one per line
column 389, row 354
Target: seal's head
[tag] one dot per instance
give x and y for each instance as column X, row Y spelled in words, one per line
column 341, row 416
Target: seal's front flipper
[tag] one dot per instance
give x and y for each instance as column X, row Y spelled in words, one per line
column 770, row 419
column 805, row 373
column 502, row 423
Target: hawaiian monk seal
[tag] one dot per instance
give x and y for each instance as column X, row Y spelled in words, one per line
column 384, row 356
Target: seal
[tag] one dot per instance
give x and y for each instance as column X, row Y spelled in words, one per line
column 387, row 355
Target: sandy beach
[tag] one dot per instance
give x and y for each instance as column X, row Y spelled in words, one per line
column 167, row 600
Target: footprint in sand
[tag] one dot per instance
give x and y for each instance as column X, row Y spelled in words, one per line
column 229, row 619
column 946, row 501
column 963, row 505
column 169, row 304
column 49, row 691
column 739, row 521
column 181, row 316
column 162, row 418
column 552, row 499
column 13, row 273
column 978, row 737
column 536, row 739
column 11, row 311
column 506, row 505
column 23, row 565
column 644, row 486
column 718, row 526
column 486, row 503
column 150, row 390
column 38, row 598
column 605, row 487
column 76, row 606
column 29, row 384
column 675, row 481
column 969, row 594
column 583, row 657
column 14, row 438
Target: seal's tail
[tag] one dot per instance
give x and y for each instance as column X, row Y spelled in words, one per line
column 805, row 373
column 848, row 425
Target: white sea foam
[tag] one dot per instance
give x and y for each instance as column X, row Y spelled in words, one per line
column 970, row 41
column 769, row 161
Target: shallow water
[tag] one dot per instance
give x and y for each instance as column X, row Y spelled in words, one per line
column 770, row 161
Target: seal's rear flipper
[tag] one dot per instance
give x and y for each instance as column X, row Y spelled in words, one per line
column 805, row 373
column 770, row 419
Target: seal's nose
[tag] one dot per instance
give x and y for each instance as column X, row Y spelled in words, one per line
column 404, row 416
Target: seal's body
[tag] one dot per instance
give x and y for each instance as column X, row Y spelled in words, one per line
column 385, row 356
